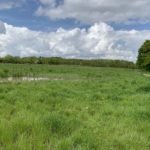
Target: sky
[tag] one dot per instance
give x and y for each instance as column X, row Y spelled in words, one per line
column 87, row 29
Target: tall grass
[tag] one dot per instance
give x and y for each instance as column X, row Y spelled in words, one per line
column 89, row 109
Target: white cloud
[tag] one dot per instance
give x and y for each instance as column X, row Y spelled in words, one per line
column 9, row 4
column 2, row 28
column 99, row 41
column 91, row 11
column 48, row 2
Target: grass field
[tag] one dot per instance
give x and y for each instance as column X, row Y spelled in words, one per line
column 79, row 108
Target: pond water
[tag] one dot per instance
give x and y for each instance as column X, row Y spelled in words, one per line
column 9, row 79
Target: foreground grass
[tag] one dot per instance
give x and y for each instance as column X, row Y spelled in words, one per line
column 89, row 109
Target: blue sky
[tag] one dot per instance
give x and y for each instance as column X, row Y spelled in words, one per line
column 89, row 29
column 24, row 15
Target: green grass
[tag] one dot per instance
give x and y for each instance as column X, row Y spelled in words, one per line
column 88, row 109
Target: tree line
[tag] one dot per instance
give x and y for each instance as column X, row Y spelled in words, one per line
column 143, row 60
column 64, row 61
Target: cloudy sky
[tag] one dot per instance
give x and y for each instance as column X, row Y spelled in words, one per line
column 89, row 29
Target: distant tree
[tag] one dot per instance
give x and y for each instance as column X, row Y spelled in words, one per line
column 8, row 59
column 143, row 60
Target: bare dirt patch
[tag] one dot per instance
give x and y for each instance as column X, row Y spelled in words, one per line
column 147, row 75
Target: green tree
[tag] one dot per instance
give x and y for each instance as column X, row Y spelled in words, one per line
column 143, row 60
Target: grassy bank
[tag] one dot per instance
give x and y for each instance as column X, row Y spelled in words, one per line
column 88, row 109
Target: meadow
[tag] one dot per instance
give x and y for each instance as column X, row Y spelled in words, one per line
column 78, row 108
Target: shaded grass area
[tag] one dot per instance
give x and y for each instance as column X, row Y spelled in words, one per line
column 103, row 109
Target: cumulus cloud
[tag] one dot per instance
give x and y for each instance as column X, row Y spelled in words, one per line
column 99, row 41
column 91, row 11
